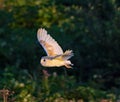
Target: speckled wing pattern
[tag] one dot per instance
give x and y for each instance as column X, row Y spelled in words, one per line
column 51, row 47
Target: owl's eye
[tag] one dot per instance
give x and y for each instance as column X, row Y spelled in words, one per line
column 44, row 60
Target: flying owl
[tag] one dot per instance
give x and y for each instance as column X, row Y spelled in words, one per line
column 55, row 55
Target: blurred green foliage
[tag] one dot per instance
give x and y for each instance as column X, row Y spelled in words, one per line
column 91, row 28
column 48, row 88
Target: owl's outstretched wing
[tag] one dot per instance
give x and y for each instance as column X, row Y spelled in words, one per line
column 48, row 43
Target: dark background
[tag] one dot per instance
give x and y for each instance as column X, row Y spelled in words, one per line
column 91, row 28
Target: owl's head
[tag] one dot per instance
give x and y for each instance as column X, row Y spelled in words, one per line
column 45, row 61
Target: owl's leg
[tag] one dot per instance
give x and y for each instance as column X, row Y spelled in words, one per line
column 68, row 66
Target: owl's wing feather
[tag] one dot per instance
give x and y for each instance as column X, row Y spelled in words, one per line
column 65, row 56
column 68, row 54
column 51, row 47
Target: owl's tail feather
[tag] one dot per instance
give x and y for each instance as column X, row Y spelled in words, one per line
column 68, row 64
column 68, row 54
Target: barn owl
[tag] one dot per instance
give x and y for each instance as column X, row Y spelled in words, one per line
column 55, row 55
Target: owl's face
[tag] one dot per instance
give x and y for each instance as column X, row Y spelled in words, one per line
column 43, row 61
